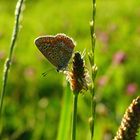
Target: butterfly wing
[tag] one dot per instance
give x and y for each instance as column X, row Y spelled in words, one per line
column 57, row 49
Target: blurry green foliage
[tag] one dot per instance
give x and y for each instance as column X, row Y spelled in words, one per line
column 32, row 103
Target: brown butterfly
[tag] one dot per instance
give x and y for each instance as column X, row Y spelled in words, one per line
column 57, row 49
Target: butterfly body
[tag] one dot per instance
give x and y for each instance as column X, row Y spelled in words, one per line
column 57, row 49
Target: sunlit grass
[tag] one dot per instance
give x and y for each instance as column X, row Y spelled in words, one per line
column 117, row 28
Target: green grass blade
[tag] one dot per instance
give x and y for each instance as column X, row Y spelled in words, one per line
column 65, row 118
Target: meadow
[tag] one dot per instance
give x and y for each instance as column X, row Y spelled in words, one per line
column 33, row 103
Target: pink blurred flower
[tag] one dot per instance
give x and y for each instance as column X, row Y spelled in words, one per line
column 29, row 72
column 103, row 36
column 119, row 57
column 131, row 88
column 102, row 80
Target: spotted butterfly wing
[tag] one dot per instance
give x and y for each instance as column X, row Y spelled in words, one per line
column 57, row 49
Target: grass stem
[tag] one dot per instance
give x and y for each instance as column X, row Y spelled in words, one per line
column 93, row 67
column 74, row 117
column 9, row 59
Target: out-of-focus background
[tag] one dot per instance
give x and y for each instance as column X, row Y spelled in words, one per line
column 32, row 104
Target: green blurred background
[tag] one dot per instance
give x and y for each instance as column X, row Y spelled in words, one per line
column 33, row 103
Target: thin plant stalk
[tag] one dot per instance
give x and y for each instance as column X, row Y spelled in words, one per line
column 12, row 46
column 93, row 67
column 93, row 36
column 78, row 82
column 74, row 116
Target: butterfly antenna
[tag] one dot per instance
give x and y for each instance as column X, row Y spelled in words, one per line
column 46, row 72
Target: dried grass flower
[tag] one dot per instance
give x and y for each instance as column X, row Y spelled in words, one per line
column 78, row 76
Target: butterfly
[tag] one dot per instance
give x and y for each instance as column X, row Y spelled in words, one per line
column 57, row 49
